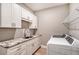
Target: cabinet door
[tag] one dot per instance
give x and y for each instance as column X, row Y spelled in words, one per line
column 34, row 22
column 24, row 13
column 6, row 14
column 14, row 50
column 36, row 43
column 32, row 46
column 16, row 16
column 30, row 15
column 23, row 49
column 28, row 48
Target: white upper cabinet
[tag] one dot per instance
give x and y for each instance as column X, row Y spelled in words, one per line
column 29, row 17
column 5, row 15
column 34, row 22
column 26, row 15
column 10, row 15
column 16, row 16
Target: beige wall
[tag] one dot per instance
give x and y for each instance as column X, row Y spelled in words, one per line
column 50, row 22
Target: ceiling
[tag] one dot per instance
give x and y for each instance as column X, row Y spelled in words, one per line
column 41, row 6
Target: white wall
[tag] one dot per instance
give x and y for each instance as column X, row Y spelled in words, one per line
column 50, row 22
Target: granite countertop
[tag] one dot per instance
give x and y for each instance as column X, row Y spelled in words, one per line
column 13, row 42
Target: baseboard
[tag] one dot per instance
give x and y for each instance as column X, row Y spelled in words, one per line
column 43, row 46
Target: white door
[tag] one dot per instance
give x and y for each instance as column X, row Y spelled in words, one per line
column 16, row 16
column 6, row 15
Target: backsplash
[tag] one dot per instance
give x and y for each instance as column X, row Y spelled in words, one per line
column 7, row 33
column 10, row 33
column 19, row 33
